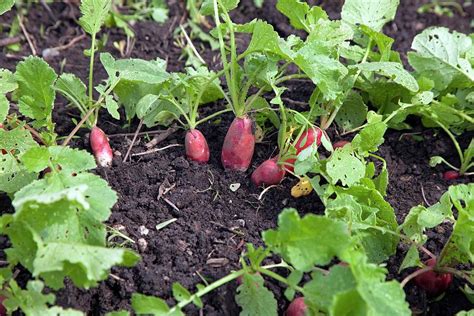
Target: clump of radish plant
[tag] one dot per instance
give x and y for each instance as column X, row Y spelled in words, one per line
column 71, row 87
column 260, row 69
column 436, row 274
column 181, row 97
column 273, row 170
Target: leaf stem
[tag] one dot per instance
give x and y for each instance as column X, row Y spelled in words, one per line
column 280, row 279
column 207, row 118
column 207, row 289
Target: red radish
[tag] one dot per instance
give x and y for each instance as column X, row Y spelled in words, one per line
column 308, row 137
column 340, row 144
column 451, row 175
column 268, row 173
column 196, row 146
column 239, row 144
column 101, row 147
column 297, row 307
column 432, row 282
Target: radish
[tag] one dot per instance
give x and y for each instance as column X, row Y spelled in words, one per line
column 239, row 144
column 306, row 139
column 432, row 282
column 451, row 175
column 196, row 146
column 340, row 144
column 101, row 147
column 297, row 307
column 268, row 173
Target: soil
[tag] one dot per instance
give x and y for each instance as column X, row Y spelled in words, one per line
column 213, row 223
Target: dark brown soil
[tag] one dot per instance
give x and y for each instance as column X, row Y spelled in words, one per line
column 214, row 222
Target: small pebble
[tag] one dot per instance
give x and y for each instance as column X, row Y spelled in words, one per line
column 143, row 230
column 142, row 244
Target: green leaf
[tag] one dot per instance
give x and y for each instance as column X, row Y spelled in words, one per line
column 344, row 166
column 112, row 107
column 150, row 305
column 94, row 13
column 369, row 138
column 305, row 242
column 374, row 14
column 370, row 217
column 460, row 248
column 254, row 298
column 322, row 289
column 441, row 56
column 73, row 89
column 325, row 71
column 84, row 264
column 4, row 107
column 420, row 218
column 147, row 71
column 264, row 39
column 6, row 6
column 7, row 81
column 392, row 70
column 35, row 89
column 300, row 14
column 57, row 229
column 352, row 113
column 13, row 175
column 207, row 7
column 412, row 259
column 155, row 111
column 71, row 160
column 32, row 302
column 118, row 313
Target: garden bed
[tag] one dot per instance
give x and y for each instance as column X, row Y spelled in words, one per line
column 213, row 222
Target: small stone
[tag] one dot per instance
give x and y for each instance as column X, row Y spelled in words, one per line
column 143, row 230
column 284, row 202
column 234, row 187
column 142, row 244
column 241, row 222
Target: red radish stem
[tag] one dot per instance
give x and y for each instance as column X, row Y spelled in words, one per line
column 451, row 175
column 4, row 152
column 432, row 282
column 268, row 173
column 196, row 146
column 239, row 144
column 340, row 144
column 3, row 310
column 101, row 147
column 297, row 307
column 306, row 139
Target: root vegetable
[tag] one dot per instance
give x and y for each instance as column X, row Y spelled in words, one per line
column 239, row 144
column 297, row 307
column 306, row 139
column 451, row 175
column 340, row 144
column 432, row 282
column 268, row 173
column 196, row 146
column 101, row 147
